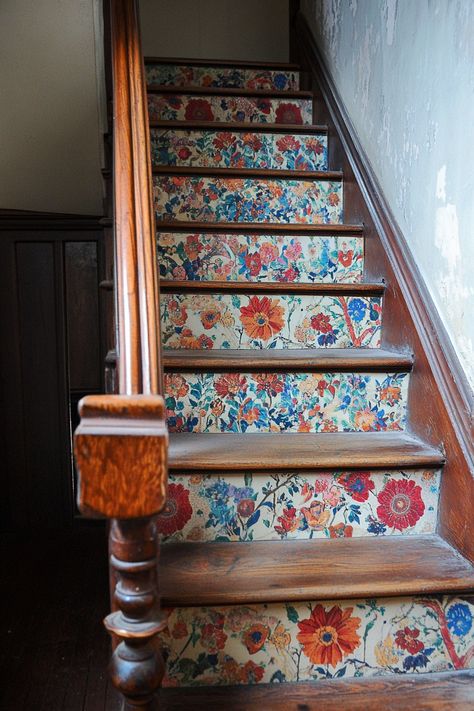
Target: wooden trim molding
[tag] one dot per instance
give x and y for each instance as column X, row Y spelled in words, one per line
column 441, row 400
column 33, row 220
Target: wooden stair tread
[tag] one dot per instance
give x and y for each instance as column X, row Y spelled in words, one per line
column 240, row 126
column 261, row 227
column 284, row 571
column 230, row 91
column 231, row 63
column 396, row 692
column 261, row 287
column 335, row 175
column 320, row 359
column 300, row 450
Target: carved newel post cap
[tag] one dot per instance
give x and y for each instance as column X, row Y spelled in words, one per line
column 120, row 448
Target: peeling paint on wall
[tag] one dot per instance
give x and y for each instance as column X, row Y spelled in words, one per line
column 404, row 72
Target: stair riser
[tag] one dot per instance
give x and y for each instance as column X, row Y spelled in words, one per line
column 186, row 107
column 219, row 149
column 313, row 641
column 285, row 402
column 247, row 200
column 299, row 505
column 263, row 258
column 286, row 321
column 222, row 77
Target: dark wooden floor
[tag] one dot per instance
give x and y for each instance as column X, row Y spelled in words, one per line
column 54, row 651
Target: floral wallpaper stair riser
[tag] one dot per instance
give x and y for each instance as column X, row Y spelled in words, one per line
column 200, row 321
column 222, row 77
column 299, row 505
column 313, row 640
column 225, row 149
column 243, row 109
column 285, row 402
column 191, row 198
column 263, row 258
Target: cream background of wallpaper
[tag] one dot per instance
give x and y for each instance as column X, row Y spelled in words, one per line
column 404, row 70
column 216, row 29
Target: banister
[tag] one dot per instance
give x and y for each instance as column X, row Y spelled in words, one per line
column 121, row 442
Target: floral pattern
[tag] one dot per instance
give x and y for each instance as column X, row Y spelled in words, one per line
column 309, row 641
column 232, row 77
column 287, row 321
column 294, row 505
column 296, row 402
column 247, row 200
column 265, row 258
column 238, row 149
column 251, row 109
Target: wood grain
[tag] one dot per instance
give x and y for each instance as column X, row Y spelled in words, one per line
column 258, row 227
column 222, row 63
column 297, row 450
column 417, row 692
column 316, row 359
column 121, row 455
column 279, row 173
column 260, row 287
column 282, row 571
column 239, row 126
column 226, row 91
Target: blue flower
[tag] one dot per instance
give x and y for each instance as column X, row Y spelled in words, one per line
column 416, row 660
column 326, row 339
column 375, row 527
column 459, row 618
column 280, row 81
column 357, row 309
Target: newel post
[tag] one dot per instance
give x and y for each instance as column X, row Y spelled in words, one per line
column 121, row 448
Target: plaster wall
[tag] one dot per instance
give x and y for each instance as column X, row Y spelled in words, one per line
column 216, row 29
column 404, row 69
column 51, row 97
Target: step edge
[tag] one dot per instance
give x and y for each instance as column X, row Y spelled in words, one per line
column 368, row 288
column 229, row 63
column 230, row 91
column 280, row 173
column 238, row 127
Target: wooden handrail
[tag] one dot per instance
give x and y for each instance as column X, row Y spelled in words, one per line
column 137, row 295
column 121, row 442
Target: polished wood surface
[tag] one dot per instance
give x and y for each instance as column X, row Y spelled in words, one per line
column 298, row 450
column 279, row 173
column 282, row 66
column 446, row 691
column 258, row 227
column 136, row 277
column 240, row 127
column 282, row 287
column 316, row 359
column 280, row 571
column 221, row 91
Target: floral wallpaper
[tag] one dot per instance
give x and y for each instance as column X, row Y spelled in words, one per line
column 219, row 199
column 264, row 258
column 285, row 321
column 285, row 402
column 234, row 77
column 238, row 149
column 299, row 505
column 252, row 109
column 304, row 641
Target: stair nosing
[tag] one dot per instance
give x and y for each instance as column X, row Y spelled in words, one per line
column 241, row 126
column 261, row 287
column 230, row 91
column 330, row 229
column 228, row 63
column 278, row 173
column 317, row 359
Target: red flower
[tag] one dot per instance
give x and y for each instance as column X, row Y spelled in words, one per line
column 408, row 639
column 340, row 530
column 288, row 143
column 401, row 504
column 213, row 638
column 321, row 323
column 329, row 636
column 230, row 384
column 184, row 153
column 224, row 140
column 262, row 318
column 288, row 521
column 345, row 258
column 198, row 110
column 290, row 274
column 333, row 199
column 246, row 507
column 359, row 485
column 205, row 342
column 264, row 106
column 177, row 511
column 270, row 383
column 255, row 637
column 253, row 263
column 288, row 113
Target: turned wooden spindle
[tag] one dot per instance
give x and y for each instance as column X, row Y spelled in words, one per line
column 121, row 454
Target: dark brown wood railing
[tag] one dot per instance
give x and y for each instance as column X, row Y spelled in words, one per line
column 121, row 442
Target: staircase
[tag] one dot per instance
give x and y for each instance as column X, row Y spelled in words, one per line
column 301, row 537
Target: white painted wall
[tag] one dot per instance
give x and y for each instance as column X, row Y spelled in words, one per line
column 50, row 144
column 216, row 29
column 405, row 71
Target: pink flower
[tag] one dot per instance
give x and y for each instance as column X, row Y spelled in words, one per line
column 293, row 251
column 268, row 253
column 179, row 273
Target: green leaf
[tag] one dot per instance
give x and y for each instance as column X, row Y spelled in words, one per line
column 292, row 613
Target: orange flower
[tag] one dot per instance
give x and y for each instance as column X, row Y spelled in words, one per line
column 340, row 530
column 365, row 420
column 262, row 318
column 316, row 517
column 391, row 394
column 255, row 637
column 333, row 199
column 175, row 385
column 230, row 384
column 327, row 637
column 210, row 317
